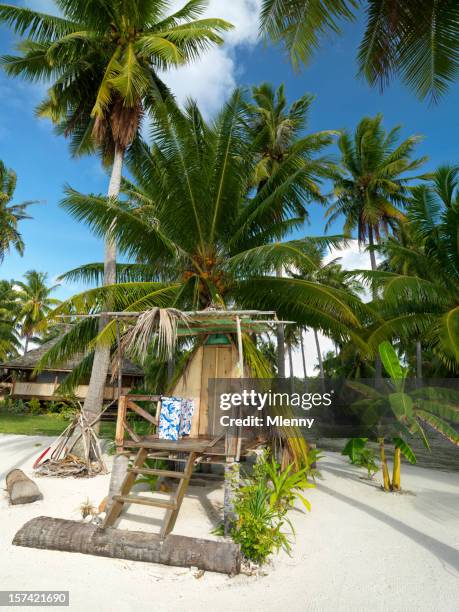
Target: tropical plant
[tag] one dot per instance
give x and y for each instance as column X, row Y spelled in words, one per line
column 262, row 502
column 276, row 133
column 360, row 454
column 420, row 282
column 373, row 185
column 9, row 341
column 103, row 60
column 10, row 214
column 409, row 411
column 329, row 274
column 35, row 303
column 417, row 40
column 199, row 233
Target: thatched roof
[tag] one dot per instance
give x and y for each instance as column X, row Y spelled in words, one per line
column 31, row 358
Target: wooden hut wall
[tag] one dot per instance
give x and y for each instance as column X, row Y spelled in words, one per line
column 209, row 361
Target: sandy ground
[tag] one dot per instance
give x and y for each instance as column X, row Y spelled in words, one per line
column 359, row 549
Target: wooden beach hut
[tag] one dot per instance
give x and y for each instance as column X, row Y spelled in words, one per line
column 219, row 355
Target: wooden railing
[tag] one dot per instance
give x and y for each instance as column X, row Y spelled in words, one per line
column 126, row 403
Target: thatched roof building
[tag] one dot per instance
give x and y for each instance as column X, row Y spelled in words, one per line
column 19, row 373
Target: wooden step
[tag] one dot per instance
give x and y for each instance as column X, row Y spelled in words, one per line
column 157, row 472
column 145, row 501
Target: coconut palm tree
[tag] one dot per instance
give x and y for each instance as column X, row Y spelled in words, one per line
column 417, row 40
column 9, row 341
column 103, row 61
column 373, row 185
column 35, row 303
column 421, row 283
column 199, row 234
column 10, row 214
column 276, row 131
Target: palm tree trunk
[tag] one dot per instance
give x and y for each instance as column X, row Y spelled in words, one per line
column 95, row 395
column 319, row 354
column 374, row 267
column 280, row 332
column 418, row 360
column 303, row 354
column 26, row 344
column 290, row 365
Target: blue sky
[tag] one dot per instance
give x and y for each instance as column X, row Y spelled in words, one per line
column 56, row 243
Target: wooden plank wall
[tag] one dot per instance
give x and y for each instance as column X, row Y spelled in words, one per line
column 209, row 361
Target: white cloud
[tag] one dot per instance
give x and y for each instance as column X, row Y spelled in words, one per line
column 352, row 257
column 211, row 79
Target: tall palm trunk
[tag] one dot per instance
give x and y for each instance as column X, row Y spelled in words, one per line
column 374, row 267
column 95, row 395
column 418, row 360
column 280, row 333
column 290, row 365
column 303, row 354
column 319, row 354
column 26, row 344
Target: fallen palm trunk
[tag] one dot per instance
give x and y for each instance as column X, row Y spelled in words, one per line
column 73, row 536
column 21, row 489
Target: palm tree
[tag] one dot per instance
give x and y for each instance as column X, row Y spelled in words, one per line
column 417, row 40
column 103, row 59
column 199, row 234
column 9, row 341
column 421, row 296
column 35, row 303
column 373, row 185
column 329, row 274
column 276, row 132
column 10, row 214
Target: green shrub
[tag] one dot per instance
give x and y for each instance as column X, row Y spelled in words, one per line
column 34, row 406
column 54, row 407
column 262, row 501
column 17, row 407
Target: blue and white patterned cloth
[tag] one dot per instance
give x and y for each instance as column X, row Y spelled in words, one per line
column 169, row 418
column 175, row 418
column 187, row 411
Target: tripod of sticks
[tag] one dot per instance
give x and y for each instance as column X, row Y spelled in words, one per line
column 65, row 461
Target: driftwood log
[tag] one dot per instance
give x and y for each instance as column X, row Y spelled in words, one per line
column 21, row 489
column 73, row 536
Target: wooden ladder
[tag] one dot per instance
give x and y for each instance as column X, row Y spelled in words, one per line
column 172, row 506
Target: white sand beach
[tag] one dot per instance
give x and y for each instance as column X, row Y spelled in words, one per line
column 359, row 549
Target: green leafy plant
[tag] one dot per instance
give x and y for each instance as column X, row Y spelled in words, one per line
column 34, row 406
column 410, row 411
column 262, row 502
column 354, row 448
column 359, row 454
column 17, row 407
column 258, row 528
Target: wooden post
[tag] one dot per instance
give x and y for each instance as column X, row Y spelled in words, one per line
column 120, row 419
column 120, row 359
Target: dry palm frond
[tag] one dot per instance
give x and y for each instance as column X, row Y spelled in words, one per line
column 161, row 321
